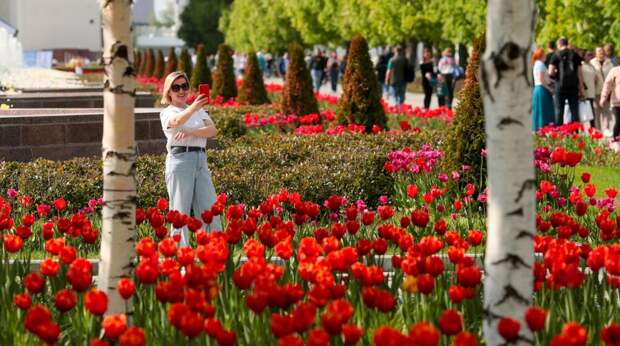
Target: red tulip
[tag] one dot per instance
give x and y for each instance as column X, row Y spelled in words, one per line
column 422, row 334
column 535, row 318
column 508, row 328
column 133, row 336
column 34, row 283
column 126, row 288
column 114, row 326
column 96, row 302
column 465, row 339
column 450, row 322
column 65, row 300
column 23, row 300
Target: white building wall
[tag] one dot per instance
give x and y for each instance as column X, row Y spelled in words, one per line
column 54, row 24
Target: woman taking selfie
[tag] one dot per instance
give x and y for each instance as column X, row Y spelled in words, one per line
column 187, row 128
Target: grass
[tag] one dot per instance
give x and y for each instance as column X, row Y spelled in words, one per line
column 602, row 177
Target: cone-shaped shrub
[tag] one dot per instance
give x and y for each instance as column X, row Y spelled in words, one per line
column 224, row 80
column 149, row 64
column 158, row 71
column 137, row 60
column 466, row 135
column 201, row 73
column 185, row 62
column 171, row 63
column 360, row 102
column 297, row 95
column 253, row 87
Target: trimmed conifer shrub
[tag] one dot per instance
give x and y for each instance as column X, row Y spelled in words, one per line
column 466, row 135
column 137, row 60
column 149, row 64
column 158, row 71
column 360, row 102
column 297, row 95
column 253, row 87
column 201, row 73
column 224, row 83
column 171, row 62
column 185, row 62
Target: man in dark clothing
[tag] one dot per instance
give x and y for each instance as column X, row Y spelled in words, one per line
column 381, row 69
column 395, row 76
column 317, row 68
column 550, row 52
column 565, row 65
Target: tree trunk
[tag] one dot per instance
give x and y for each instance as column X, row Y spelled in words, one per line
column 119, row 154
column 506, row 87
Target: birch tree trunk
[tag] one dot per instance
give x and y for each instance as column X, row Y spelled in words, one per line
column 119, row 154
column 506, row 87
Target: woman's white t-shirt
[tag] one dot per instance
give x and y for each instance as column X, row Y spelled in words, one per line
column 196, row 121
column 539, row 67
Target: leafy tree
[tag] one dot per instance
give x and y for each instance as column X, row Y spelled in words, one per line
column 224, row 83
column 466, row 135
column 253, row 87
column 171, row 62
column 360, row 102
column 318, row 21
column 258, row 25
column 199, row 23
column 158, row 70
column 185, row 62
column 201, row 73
column 586, row 23
column 297, row 95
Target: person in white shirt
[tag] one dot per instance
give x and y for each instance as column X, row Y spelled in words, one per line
column 445, row 66
column 187, row 128
column 602, row 116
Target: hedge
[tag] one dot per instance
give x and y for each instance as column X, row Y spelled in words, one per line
column 248, row 169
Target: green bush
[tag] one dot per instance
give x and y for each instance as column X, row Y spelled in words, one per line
column 201, row 73
column 248, row 169
column 185, row 62
column 466, row 136
column 253, row 87
column 224, row 83
column 171, row 62
column 360, row 102
column 158, row 71
column 297, row 95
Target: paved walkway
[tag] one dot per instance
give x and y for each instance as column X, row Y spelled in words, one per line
column 414, row 99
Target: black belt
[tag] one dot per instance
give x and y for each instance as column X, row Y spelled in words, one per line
column 179, row 149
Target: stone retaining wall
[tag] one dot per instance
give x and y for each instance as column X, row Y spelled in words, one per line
column 67, row 99
column 61, row 134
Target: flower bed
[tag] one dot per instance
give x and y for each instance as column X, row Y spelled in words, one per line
column 328, row 284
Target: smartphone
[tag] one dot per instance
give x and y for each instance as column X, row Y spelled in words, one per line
column 203, row 89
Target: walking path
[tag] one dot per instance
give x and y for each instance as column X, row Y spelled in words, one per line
column 414, row 99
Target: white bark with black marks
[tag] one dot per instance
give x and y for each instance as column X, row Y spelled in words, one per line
column 119, row 154
column 507, row 89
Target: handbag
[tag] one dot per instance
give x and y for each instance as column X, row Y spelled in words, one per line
column 585, row 112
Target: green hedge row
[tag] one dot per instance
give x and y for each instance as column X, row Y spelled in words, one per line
column 248, row 169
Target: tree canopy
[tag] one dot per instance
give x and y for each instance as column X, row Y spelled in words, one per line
column 199, row 23
column 258, row 25
column 271, row 25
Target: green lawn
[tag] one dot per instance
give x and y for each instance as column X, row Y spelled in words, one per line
column 602, row 177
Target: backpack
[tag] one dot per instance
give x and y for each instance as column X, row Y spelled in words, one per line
column 409, row 72
column 567, row 71
column 458, row 72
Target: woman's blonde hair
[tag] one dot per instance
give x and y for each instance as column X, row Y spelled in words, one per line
column 165, row 99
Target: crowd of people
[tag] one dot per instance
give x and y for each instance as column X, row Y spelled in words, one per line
column 577, row 85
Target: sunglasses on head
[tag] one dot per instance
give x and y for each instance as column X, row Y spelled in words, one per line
column 177, row 87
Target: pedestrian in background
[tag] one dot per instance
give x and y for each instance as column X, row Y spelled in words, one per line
column 427, row 70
